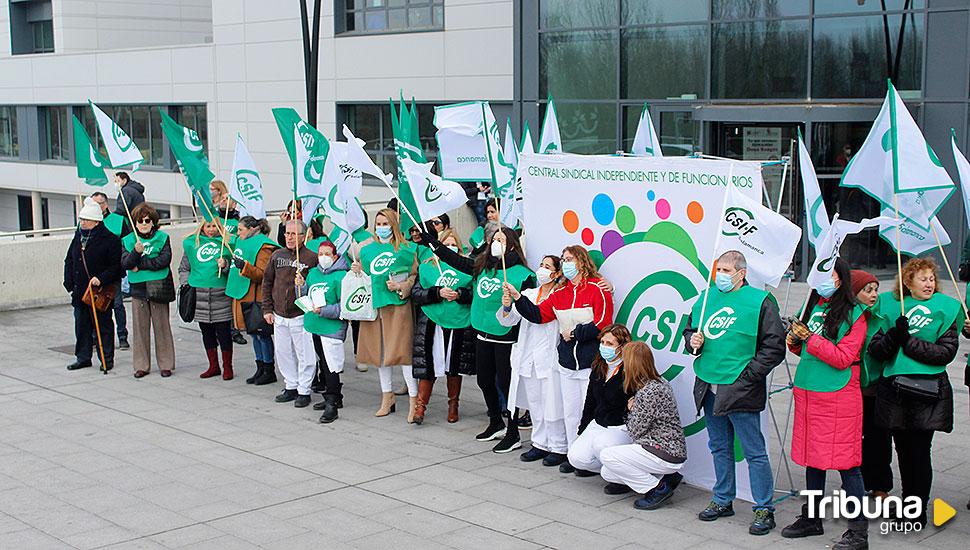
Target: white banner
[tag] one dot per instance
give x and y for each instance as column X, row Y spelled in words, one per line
column 462, row 152
column 121, row 150
column 654, row 222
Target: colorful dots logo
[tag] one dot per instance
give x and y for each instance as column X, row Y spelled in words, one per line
column 570, row 221
column 663, row 209
column 695, row 212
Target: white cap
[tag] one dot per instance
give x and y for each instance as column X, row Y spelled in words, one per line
column 91, row 211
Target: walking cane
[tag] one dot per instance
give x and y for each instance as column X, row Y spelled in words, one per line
column 97, row 330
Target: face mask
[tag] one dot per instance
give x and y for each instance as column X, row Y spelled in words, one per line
column 383, row 232
column 544, row 275
column 498, row 249
column 724, row 282
column 570, row 270
column 453, row 249
column 326, row 262
column 607, row 353
column 827, row 288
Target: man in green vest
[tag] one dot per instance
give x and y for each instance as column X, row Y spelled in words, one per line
column 738, row 340
column 119, row 225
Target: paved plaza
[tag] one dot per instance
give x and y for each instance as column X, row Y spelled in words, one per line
column 95, row 461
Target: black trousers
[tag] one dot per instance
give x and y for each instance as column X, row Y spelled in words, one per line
column 913, row 451
column 331, row 380
column 877, row 450
column 85, row 341
column 493, row 363
column 216, row 335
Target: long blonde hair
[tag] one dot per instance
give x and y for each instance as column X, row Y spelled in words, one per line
column 202, row 224
column 450, row 233
column 397, row 238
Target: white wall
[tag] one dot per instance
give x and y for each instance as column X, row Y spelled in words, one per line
column 115, row 24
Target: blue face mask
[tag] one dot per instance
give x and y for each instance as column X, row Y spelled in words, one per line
column 827, row 288
column 607, row 353
column 383, row 231
column 724, row 282
column 570, row 270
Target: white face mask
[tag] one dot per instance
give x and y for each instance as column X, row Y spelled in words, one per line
column 544, row 275
column 326, row 262
column 498, row 249
column 452, row 248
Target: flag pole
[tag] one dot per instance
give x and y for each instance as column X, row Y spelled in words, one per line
column 899, row 257
column 786, row 173
column 498, row 204
column 132, row 220
column 717, row 242
column 956, row 287
column 224, row 224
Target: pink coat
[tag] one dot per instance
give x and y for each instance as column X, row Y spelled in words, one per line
column 827, row 431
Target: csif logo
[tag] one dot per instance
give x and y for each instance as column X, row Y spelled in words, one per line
column 94, row 157
column 357, row 299
column 740, row 222
column 719, row 322
column 816, row 321
column 120, row 137
column 919, row 316
column 448, row 278
column 487, row 286
column 382, row 263
column 249, row 185
column 191, row 140
column 207, row 252
column 431, row 191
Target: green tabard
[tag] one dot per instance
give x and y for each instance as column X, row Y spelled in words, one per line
column 730, row 332
column 203, row 260
column 153, row 247
column 329, row 284
column 380, row 261
column 450, row 315
column 115, row 223
column 813, row 374
column 487, row 297
column 928, row 320
column 238, row 285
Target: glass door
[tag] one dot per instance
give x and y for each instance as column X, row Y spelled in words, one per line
column 765, row 142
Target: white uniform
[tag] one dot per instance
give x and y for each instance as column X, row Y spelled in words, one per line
column 295, row 355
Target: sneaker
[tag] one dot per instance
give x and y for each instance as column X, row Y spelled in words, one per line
column 301, row 401
column 554, row 459
column 525, row 421
column 715, row 510
column 566, row 468
column 533, row 454
column 495, row 430
column 803, row 526
column 654, row 499
column 763, row 522
column 123, row 344
column 361, row 368
column 286, row 396
column 856, row 538
column 616, row 489
column 509, row 443
column 584, row 473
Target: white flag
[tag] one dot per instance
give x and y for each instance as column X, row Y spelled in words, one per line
column 510, row 149
column 311, row 206
column 502, row 173
column 462, row 152
column 646, row 142
column 896, row 165
column 767, row 240
column 828, row 248
column 344, row 183
column 310, row 157
column 122, row 151
column 816, row 216
column 963, row 172
column 432, row 195
column 913, row 240
column 526, row 145
column 246, row 187
column 550, row 142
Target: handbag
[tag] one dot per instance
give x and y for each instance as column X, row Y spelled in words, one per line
column 161, row 291
column 252, row 313
column 103, row 296
column 923, row 388
column 356, row 298
column 187, row 303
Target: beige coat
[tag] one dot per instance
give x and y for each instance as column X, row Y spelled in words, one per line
column 390, row 336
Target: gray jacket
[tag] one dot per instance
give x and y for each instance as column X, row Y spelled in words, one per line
column 211, row 304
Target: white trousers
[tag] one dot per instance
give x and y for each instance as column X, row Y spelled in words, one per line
column 584, row 453
column 440, row 353
column 548, row 435
column 294, row 353
column 634, row 467
column 333, row 353
column 387, row 379
column 572, row 386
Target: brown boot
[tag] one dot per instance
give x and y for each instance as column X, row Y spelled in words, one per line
column 387, row 404
column 454, row 390
column 227, row 364
column 412, row 405
column 424, row 396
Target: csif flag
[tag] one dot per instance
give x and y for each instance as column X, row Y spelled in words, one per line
column 407, row 145
column 246, row 187
column 913, row 239
column 646, row 142
column 550, row 142
column 816, row 216
column 827, row 250
column 502, row 178
column 90, row 163
column 433, row 196
column 190, row 156
column 963, row 172
column 462, row 153
column 766, row 239
column 310, row 150
column 525, row 146
column 344, row 182
column 121, row 149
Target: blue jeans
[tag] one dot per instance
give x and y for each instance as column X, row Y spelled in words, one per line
column 121, row 318
column 720, row 432
column 478, row 206
column 263, row 348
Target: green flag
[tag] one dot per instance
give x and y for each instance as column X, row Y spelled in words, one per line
column 190, row 155
column 407, row 145
column 90, row 163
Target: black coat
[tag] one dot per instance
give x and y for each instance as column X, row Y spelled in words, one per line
column 462, row 355
column 134, row 194
column 131, row 260
column 898, row 411
column 606, row 400
column 102, row 254
column 749, row 393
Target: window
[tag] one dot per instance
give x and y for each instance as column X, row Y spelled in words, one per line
column 649, row 12
column 570, row 14
column 144, row 124
column 761, row 9
column 664, row 62
column 9, row 144
column 54, row 130
column 578, row 64
column 372, row 123
column 587, row 128
column 25, row 213
column 43, row 33
column 828, row 7
column 363, row 16
column 740, row 68
column 31, row 27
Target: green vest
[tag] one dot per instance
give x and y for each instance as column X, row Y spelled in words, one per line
column 380, row 261
column 450, row 315
column 153, row 247
column 203, row 260
column 232, row 226
column 115, row 223
column 238, row 285
column 812, row 373
column 879, row 319
column 329, row 283
column 730, row 332
column 928, row 320
column 487, row 297
column 477, row 237
column 424, row 253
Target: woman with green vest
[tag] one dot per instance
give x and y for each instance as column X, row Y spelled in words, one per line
column 503, row 261
column 324, row 324
column 390, row 261
column 148, row 260
column 225, row 207
column 251, row 252
column 914, row 398
column 827, row 429
column 444, row 345
column 205, row 267
column 477, row 239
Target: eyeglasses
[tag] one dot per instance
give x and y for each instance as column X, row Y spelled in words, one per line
column 436, row 222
